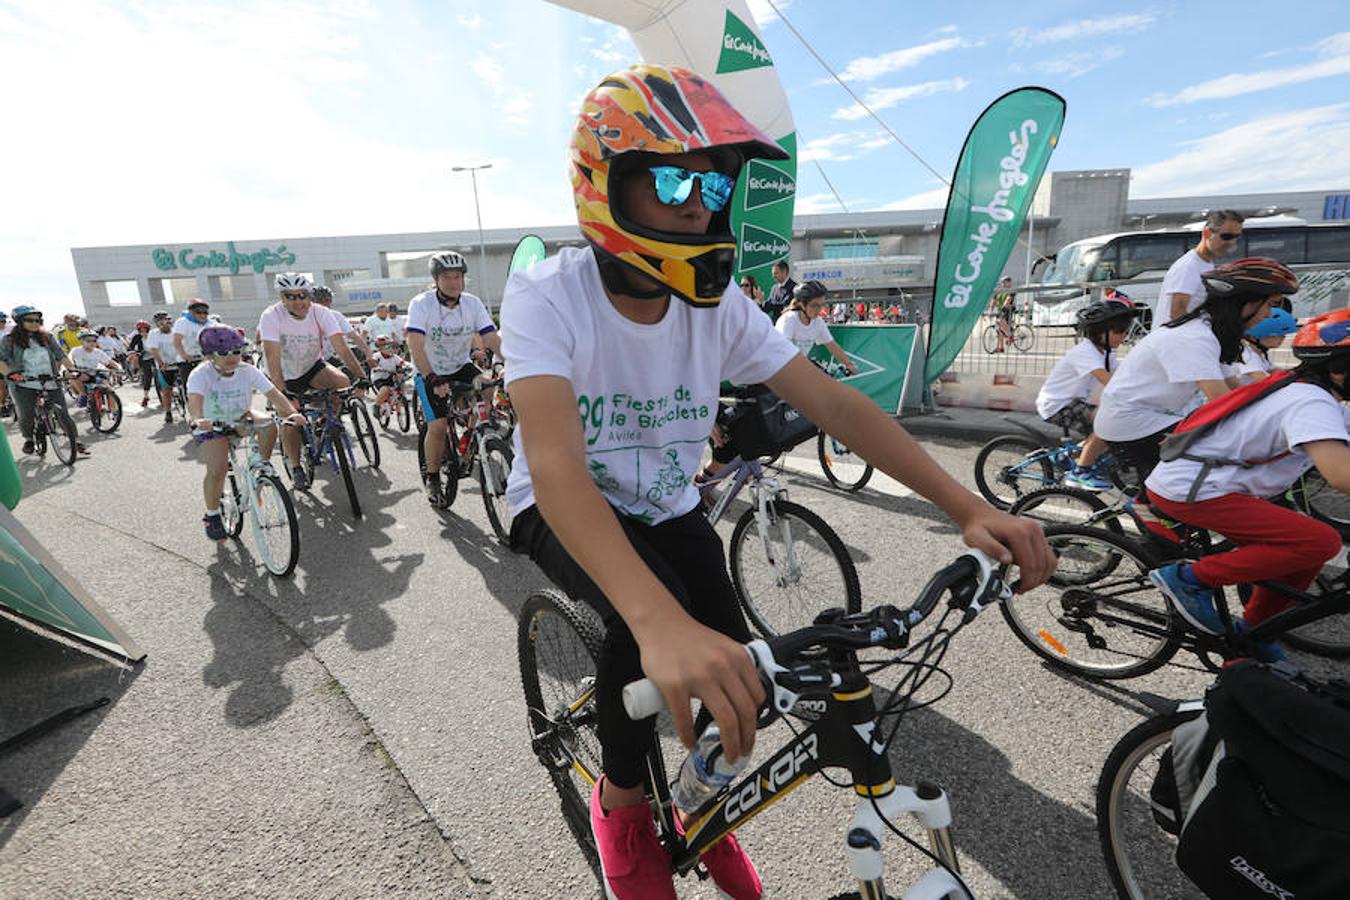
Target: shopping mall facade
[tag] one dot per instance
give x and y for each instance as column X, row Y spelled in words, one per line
column 870, row 255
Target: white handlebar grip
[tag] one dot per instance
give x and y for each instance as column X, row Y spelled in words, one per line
column 642, row 699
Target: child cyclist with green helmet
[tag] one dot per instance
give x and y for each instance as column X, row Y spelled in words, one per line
column 614, row 355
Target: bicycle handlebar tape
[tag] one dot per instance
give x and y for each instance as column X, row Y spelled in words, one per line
column 642, row 699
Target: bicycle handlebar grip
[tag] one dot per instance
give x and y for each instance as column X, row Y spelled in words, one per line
column 642, row 698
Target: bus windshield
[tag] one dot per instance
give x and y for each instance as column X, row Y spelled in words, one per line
column 1073, row 264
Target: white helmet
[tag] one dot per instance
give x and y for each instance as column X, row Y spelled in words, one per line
column 293, row 281
column 447, row 261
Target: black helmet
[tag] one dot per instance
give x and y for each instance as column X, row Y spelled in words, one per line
column 321, row 294
column 808, row 291
column 1105, row 312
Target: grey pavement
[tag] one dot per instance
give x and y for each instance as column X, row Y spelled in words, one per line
column 359, row 730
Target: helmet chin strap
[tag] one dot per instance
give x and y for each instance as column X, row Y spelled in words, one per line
column 617, row 278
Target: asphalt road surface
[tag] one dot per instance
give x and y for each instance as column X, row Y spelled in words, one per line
column 359, row 730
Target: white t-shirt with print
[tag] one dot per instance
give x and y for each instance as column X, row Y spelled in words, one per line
column 304, row 342
column 1071, row 379
column 1293, row 415
column 226, row 399
column 1154, row 386
column 190, row 329
column 449, row 331
column 163, row 342
column 646, row 394
column 803, row 337
column 1183, row 277
column 89, row 360
column 1254, row 362
column 385, row 366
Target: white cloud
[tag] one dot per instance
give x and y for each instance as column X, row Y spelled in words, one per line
column 1078, row 62
column 1335, row 51
column 812, row 204
column 764, row 13
column 932, row 199
column 1301, row 149
column 473, row 23
column 870, row 68
column 1083, row 28
column 882, row 98
column 843, row 145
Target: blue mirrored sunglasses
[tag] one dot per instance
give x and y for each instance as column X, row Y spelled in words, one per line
column 674, row 183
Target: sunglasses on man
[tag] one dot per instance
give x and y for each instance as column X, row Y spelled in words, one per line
column 674, row 184
column 1229, row 235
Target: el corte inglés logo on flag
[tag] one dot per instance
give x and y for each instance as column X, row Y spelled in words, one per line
column 741, row 50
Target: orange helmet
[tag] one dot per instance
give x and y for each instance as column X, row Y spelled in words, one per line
column 648, row 109
column 1324, row 338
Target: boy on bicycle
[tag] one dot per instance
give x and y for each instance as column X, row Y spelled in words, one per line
column 1257, row 451
column 615, row 353
column 88, row 359
column 221, row 390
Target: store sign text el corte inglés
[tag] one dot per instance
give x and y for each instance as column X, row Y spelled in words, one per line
column 189, row 258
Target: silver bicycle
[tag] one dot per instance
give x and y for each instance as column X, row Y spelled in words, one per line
column 256, row 491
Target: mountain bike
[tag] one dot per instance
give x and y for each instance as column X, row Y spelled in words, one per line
column 1099, row 615
column 324, row 437
column 1011, row 465
column 52, row 425
column 473, row 447
column 104, row 406
column 815, row 683
column 255, row 489
column 786, row 564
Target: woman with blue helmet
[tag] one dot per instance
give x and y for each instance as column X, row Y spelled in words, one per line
column 1263, row 337
column 28, row 353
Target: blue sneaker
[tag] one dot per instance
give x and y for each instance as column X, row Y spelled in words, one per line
column 1087, row 479
column 82, row 401
column 1264, row 651
column 1194, row 603
column 215, row 528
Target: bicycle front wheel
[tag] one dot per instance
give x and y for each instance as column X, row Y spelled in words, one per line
column 788, row 566
column 1140, row 856
column 1098, row 616
column 1009, row 466
column 404, row 413
column 558, row 642
column 232, row 507
column 276, row 530
column 493, row 468
column 364, row 430
column 342, row 449
column 62, row 437
column 105, row 410
column 1024, row 338
column 989, row 340
column 843, row 468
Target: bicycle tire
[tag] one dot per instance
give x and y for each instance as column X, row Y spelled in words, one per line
column 493, row 468
column 307, row 448
column 1002, row 485
column 1329, row 637
column 799, row 599
column 63, row 437
column 105, row 410
column 232, row 507
column 382, row 414
column 1325, row 503
column 1125, row 819
column 404, row 413
column 343, row 452
column 280, row 559
column 840, row 464
column 1023, row 338
column 989, row 339
column 366, row 436
column 1067, row 620
column 558, row 645
column 1060, row 504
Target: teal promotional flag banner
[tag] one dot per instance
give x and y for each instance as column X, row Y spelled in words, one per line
column 529, row 251
column 996, row 177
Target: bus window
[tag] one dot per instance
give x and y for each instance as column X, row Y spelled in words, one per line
column 1284, row 244
column 1141, row 253
column 1107, row 263
column 1328, row 245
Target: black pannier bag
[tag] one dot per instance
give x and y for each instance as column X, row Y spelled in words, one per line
column 765, row 425
column 1270, row 815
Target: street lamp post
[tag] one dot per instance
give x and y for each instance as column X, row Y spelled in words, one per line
column 482, row 242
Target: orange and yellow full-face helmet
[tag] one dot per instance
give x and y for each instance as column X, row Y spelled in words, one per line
column 649, row 109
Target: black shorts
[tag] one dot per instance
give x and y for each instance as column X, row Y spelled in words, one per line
column 169, row 377
column 298, row 386
column 435, row 406
column 1076, row 418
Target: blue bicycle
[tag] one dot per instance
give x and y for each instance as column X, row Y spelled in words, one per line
column 1012, row 465
column 326, row 438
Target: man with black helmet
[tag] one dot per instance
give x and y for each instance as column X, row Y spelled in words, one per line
column 615, row 353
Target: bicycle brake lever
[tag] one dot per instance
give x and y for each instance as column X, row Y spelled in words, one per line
column 783, row 699
column 990, row 591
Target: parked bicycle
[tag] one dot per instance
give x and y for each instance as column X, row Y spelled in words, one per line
column 52, row 425
column 814, row 682
column 254, row 490
column 474, row 446
column 324, row 437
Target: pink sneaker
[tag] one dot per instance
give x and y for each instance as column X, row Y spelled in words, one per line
column 730, row 868
column 634, row 865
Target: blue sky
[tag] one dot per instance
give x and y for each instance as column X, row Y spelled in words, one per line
column 141, row 122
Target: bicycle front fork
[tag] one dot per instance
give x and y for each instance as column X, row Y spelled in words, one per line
column 927, row 803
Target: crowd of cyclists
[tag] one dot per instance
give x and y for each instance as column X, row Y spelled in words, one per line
column 645, row 323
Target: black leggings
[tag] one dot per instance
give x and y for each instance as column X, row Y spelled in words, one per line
column 686, row 555
column 1141, row 454
column 148, row 373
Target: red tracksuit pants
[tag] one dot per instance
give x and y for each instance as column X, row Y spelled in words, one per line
column 1274, row 543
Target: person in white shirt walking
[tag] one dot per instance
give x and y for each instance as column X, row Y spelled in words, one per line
column 1182, row 288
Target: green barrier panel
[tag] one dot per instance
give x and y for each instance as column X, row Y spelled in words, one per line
column 45, row 597
column 529, row 250
column 883, row 355
column 11, row 488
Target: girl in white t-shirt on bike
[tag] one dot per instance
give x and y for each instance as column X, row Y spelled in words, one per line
column 802, row 324
column 1185, row 362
